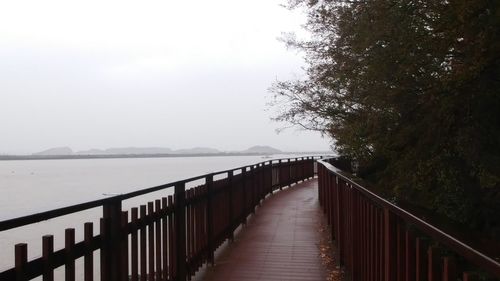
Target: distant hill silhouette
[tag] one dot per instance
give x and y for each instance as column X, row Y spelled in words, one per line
column 198, row 150
column 56, row 151
column 66, row 151
column 126, row 150
column 262, row 149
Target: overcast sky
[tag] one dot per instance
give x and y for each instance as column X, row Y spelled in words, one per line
column 178, row 74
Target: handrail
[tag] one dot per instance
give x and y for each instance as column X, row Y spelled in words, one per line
column 46, row 215
column 469, row 253
column 174, row 234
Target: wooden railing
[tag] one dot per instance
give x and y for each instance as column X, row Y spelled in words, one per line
column 167, row 239
column 377, row 240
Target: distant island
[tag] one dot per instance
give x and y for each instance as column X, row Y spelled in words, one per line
column 140, row 152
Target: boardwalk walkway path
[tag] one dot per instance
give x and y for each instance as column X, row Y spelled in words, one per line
column 280, row 242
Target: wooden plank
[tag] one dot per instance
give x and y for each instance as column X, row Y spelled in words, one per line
column 293, row 254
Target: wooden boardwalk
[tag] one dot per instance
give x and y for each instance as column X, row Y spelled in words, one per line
column 280, row 242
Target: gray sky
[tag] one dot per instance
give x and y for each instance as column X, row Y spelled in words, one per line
column 179, row 74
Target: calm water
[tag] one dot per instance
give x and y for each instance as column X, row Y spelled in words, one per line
column 31, row 186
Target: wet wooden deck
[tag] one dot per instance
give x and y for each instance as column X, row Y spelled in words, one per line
column 280, row 242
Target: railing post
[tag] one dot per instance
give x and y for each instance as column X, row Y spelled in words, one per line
column 289, row 172
column 47, row 251
column 180, row 230
column 303, row 169
column 209, row 180
column 244, row 191
column 252, row 188
column 21, row 259
column 89, row 257
column 310, row 167
column 112, row 213
column 336, row 222
column 262, row 181
column 230, row 206
column 280, row 175
column 270, row 191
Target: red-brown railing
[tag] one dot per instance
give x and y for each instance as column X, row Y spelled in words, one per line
column 167, row 239
column 377, row 240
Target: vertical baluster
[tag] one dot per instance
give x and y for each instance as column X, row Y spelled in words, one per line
column 390, row 244
column 103, row 260
column 89, row 253
column 151, row 242
column 244, row 195
column 171, row 244
column 449, row 269
column 420, row 259
column 143, row 239
column 124, row 247
column 410, row 255
column 158, row 239
column 337, row 222
column 47, row 251
column 433, row 269
column 210, row 219
column 134, row 251
column 198, row 234
column 112, row 212
column 230, row 206
column 289, row 172
column 374, row 254
column 21, row 259
column 364, row 247
column 356, row 231
column 164, row 205
column 69, row 243
column 378, row 249
column 400, row 259
column 180, row 227
column 189, row 231
column 253, row 189
column 371, row 241
column 468, row 276
column 281, row 174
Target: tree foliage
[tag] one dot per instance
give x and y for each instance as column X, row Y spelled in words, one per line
column 410, row 90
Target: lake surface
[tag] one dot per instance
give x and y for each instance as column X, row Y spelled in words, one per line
column 31, row 186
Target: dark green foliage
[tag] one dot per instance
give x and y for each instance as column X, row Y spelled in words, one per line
column 410, row 90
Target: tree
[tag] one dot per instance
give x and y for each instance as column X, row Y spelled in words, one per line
column 410, row 91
